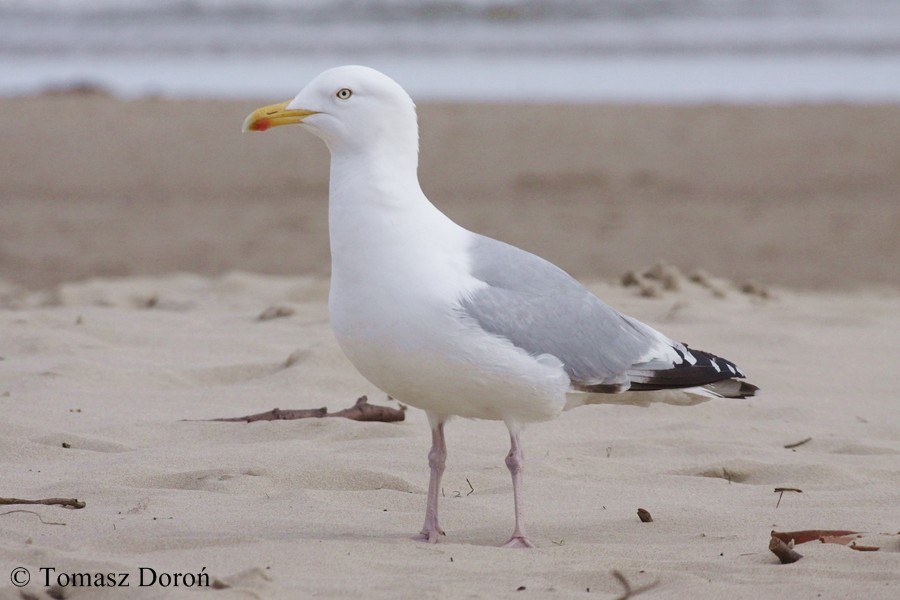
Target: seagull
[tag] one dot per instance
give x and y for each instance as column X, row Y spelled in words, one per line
column 456, row 323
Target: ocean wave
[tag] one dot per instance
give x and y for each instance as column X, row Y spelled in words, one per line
column 132, row 46
column 416, row 10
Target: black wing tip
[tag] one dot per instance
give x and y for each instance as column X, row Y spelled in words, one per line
column 697, row 369
column 706, row 370
column 725, row 388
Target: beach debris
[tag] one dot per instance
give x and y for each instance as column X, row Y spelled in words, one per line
column 651, row 282
column 361, row 411
column 826, row 536
column 715, row 286
column 842, row 537
column 66, row 502
column 275, row 312
column 727, row 475
column 644, row 515
column 797, row 444
column 458, row 493
column 661, row 278
column 861, row 548
column 783, row 550
column 754, row 288
column 646, row 289
column 150, row 301
column 669, row 277
column 631, row 592
column 781, row 490
column 295, row 357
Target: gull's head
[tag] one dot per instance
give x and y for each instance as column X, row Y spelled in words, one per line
column 350, row 108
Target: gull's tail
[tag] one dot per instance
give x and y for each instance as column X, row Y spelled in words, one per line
column 731, row 388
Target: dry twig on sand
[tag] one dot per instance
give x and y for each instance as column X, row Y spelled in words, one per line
column 361, row 411
column 67, row 502
column 797, row 444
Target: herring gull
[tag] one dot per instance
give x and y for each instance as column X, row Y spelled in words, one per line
column 453, row 322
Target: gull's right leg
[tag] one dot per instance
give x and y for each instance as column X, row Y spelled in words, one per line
column 437, row 459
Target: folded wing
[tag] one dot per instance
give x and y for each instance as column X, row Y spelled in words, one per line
column 541, row 309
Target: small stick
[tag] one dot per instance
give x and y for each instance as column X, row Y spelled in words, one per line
column 277, row 414
column 781, row 490
column 67, row 502
column 644, row 515
column 363, row 411
column 785, row 553
column 797, row 444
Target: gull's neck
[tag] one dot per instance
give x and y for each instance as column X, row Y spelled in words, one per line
column 381, row 179
column 377, row 210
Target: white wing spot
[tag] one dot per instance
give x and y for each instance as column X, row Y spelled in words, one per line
column 690, row 358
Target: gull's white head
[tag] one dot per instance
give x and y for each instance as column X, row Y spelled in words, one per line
column 351, row 108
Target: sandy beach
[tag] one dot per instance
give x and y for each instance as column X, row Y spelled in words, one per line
column 803, row 196
column 141, row 240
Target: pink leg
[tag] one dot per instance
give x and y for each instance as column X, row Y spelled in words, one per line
column 515, row 461
column 437, row 459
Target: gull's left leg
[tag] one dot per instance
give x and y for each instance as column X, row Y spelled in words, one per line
column 515, row 461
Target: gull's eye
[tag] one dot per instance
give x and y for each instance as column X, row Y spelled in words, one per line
column 344, row 93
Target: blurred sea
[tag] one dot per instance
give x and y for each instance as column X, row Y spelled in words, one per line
column 520, row 50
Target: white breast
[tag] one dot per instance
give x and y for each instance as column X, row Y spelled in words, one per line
column 398, row 274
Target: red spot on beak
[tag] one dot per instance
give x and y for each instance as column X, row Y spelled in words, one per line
column 261, row 125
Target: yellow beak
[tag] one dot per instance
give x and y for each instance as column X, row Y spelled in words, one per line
column 275, row 115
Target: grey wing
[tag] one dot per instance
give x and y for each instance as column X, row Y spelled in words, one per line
column 543, row 310
column 540, row 308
